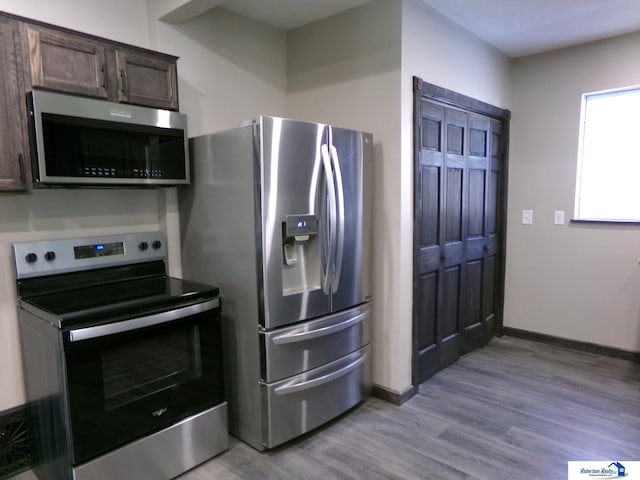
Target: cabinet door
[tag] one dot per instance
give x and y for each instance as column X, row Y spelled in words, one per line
column 12, row 115
column 66, row 63
column 146, row 80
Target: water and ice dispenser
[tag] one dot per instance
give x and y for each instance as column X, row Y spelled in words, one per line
column 301, row 254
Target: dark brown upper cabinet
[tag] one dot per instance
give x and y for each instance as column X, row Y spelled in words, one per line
column 13, row 138
column 36, row 54
column 75, row 63
column 66, row 63
column 147, row 80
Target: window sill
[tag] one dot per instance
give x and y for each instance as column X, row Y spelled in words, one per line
column 605, row 222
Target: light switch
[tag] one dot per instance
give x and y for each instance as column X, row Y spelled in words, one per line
column 527, row 217
column 558, row 217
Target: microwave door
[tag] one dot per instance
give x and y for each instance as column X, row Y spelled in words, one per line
column 293, row 185
column 85, row 142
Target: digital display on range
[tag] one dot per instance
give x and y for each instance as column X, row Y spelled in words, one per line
column 98, row 250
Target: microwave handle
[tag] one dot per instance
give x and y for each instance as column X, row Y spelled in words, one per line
column 87, row 333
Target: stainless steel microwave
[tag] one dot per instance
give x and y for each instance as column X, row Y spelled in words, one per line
column 77, row 141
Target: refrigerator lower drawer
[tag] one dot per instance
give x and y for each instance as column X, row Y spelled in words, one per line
column 293, row 350
column 299, row 404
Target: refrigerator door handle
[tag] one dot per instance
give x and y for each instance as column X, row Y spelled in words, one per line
column 330, row 377
column 318, row 332
column 331, row 190
column 340, row 220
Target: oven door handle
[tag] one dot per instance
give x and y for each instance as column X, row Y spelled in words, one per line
column 87, row 333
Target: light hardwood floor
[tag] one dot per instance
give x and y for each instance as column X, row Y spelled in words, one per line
column 513, row 410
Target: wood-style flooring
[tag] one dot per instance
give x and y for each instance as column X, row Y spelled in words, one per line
column 515, row 409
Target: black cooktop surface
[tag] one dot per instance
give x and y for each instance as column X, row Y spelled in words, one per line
column 73, row 301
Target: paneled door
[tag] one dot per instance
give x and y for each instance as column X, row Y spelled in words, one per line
column 458, row 239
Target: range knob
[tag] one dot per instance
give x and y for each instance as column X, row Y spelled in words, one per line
column 50, row 256
column 143, row 246
column 31, row 258
column 156, row 244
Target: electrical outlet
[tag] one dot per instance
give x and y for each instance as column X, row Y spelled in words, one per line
column 558, row 217
column 527, row 217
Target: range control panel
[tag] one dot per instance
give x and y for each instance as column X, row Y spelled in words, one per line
column 49, row 257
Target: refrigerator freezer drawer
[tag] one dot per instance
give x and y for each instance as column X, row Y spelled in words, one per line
column 293, row 350
column 297, row 405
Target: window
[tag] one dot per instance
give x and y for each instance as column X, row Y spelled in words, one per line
column 608, row 178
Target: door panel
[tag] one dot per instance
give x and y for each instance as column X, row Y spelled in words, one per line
column 352, row 149
column 449, row 323
column 428, row 305
column 453, row 248
column 427, row 329
column 429, row 224
column 146, row 80
column 430, row 205
column 453, row 202
column 12, row 142
column 67, row 63
column 459, row 157
column 291, row 174
column 476, row 230
column 492, row 286
column 472, row 318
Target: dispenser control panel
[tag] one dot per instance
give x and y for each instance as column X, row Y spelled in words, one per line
column 301, row 225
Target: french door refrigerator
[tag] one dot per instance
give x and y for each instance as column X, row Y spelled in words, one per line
column 278, row 216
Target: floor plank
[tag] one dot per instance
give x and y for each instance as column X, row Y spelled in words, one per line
column 515, row 409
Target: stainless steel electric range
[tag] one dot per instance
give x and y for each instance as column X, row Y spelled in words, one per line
column 122, row 363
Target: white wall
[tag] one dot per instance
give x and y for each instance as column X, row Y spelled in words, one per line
column 439, row 52
column 345, row 70
column 230, row 69
column 122, row 20
column 356, row 69
column 574, row 281
column 64, row 213
column 442, row 53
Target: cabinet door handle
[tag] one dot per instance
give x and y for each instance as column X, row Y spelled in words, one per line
column 123, row 78
column 104, row 77
column 23, row 178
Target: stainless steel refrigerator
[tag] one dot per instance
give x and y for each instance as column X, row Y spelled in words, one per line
column 278, row 215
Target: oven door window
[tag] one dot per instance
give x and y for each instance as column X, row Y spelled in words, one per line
column 148, row 366
column 125, row 386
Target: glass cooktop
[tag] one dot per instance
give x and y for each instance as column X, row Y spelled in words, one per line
column 125, row 298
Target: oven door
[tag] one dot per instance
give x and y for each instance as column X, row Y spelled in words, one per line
column 130, row 378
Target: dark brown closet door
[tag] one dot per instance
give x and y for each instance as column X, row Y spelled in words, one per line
column 457, row 238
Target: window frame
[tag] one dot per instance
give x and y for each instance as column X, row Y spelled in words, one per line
column 577, row 218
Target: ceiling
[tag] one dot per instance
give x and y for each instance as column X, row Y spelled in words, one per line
column 516, row 27
column 288, row 14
